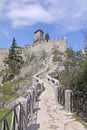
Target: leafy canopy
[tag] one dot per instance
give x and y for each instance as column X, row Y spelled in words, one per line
column 75, row 74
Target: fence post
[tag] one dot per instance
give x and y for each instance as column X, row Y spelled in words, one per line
column 35, row 93
column 68, row 100
column 31, row 101
column 56, row 93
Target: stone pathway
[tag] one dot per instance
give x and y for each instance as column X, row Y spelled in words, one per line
column 51, row 115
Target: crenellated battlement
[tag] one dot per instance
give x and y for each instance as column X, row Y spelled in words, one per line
column 3, row 50
column 60, row 42
column 37, row 48
column 55, row 40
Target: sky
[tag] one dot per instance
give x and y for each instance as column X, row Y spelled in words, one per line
column 59, row 18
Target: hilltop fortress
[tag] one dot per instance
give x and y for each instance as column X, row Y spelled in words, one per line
column 39, row 45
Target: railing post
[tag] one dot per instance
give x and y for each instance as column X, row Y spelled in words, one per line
column 42, row 87
column 56, row 93
column 33, row 80
column 31, row 101
column 68, row 100
column 21, row 118
column 35, row 93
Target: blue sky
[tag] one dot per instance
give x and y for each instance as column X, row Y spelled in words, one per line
column 59, row 18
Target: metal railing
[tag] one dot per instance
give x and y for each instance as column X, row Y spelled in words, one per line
column 79, row 104
column 18, row 119
column 36, row 78
column 52, row 80
column 19, row 116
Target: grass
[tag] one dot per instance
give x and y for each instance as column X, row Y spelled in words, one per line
column 8, row 89
column 4, row 71
column 8, row 95
column 3, row 112
column 79, row 119
column 56, row 58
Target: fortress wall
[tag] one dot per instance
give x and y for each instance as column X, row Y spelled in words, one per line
column 37, row 49
column 62, row 44
column 46, row 46
column 3, row 53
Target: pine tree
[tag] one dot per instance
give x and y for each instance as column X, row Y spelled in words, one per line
column 47, row 37
column 14, row 59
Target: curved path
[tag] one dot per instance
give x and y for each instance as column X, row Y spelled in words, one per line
column 51, row 116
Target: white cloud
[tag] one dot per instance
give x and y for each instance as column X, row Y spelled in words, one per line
column 70, row 14
column 28, row 15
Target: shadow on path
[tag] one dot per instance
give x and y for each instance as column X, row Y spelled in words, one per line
column 33, row 120
column 33, row 127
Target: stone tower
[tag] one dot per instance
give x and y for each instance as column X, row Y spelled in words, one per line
column 38, row 36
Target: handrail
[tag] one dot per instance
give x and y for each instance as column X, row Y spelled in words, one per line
column 52, row 80
column 37, row 80
column 18, row 119
column 9, row 112
column 19, row 114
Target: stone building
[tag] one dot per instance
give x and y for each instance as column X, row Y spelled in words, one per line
column 38, row 36
column 39, row 46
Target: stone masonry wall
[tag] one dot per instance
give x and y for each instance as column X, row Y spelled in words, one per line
column 46, row 46
column 37, row 50
column 3, row 53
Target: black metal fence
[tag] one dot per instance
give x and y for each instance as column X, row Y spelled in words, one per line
column 79, row 104
column 19, row 116
column 18, row 119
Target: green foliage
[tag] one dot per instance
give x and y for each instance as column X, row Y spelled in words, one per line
column 47, row 37
column 32, row 57
column 8, row 92
column 8, row 89
column 56, row 58
column 3, row 112
column 80, row 120
column 57, row 55
column 2, row 72
column 75, row 74
column 14, row 59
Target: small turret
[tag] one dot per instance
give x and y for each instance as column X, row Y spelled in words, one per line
column 38, row 36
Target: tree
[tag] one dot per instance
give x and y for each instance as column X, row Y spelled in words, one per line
column 14, row 59
column 47, row 37
column 57, row 55
column 72, row 76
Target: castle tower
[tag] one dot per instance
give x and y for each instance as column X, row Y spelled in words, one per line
column 38, row 36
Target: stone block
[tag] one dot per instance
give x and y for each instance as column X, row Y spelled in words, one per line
column 68, row 100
